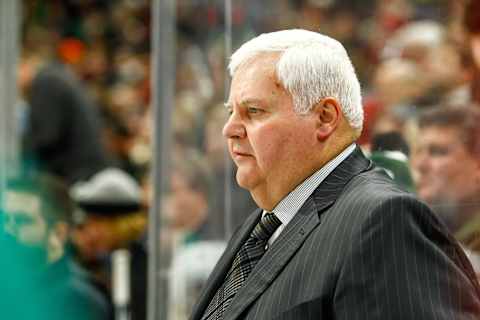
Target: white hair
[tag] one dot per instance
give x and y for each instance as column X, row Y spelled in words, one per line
column 312, row 66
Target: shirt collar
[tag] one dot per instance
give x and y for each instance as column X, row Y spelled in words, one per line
column 288, row 206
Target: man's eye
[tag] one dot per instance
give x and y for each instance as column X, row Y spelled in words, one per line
column 438, row 151
column 254, row 110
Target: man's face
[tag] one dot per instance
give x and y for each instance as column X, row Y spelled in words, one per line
column 185, row 208
column 23, row 218
column 447, row 173
column 96, row 237
column 270, row 143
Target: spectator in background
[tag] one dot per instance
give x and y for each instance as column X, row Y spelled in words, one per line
column 187, row 205
column 196, row 234
column 114, row 219
column 426, row 44
column 63, row 127
column 412, row 76
column 398, row 84
column 39, row 278
column 447, row 167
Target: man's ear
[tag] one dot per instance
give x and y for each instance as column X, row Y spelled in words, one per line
column 327, row 114
column 61, row 230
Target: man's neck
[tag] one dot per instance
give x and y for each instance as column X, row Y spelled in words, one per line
column 269, row 195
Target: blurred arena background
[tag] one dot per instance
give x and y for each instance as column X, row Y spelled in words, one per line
column 117, row 194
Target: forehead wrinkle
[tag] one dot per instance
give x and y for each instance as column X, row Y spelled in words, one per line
column 249, row 101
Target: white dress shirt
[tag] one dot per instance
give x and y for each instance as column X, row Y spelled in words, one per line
column 289, row 206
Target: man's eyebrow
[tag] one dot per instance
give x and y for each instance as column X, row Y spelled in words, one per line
column 245, row 102
column 251, row 101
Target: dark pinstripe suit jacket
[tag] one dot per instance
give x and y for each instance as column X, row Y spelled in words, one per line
column 359, row 248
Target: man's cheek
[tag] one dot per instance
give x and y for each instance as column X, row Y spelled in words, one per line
column 33, row 234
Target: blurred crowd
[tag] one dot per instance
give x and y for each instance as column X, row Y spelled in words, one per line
column 85, row 120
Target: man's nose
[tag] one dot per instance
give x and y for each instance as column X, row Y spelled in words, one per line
column 420, row 161
column 234, row 128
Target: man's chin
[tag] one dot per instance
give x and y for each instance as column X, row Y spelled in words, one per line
column 245, row 180
column 243, row 183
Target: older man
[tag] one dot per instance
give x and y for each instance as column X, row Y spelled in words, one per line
column 334, row 238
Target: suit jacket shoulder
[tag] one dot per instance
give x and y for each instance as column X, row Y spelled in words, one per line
column 359, row 248
column 386, row 255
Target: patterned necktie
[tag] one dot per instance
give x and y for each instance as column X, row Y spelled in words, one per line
column 244, row 262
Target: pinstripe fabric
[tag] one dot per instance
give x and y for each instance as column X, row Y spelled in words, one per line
column 243, row 264
column 358, row 248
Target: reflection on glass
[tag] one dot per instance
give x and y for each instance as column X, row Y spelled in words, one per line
column 39, row 270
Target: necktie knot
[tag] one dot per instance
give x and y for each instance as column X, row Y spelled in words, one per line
column 244, row 262
column 266, row 226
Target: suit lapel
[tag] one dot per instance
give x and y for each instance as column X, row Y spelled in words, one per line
column 296, row 232
column 271, row 264
column 219, row 272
